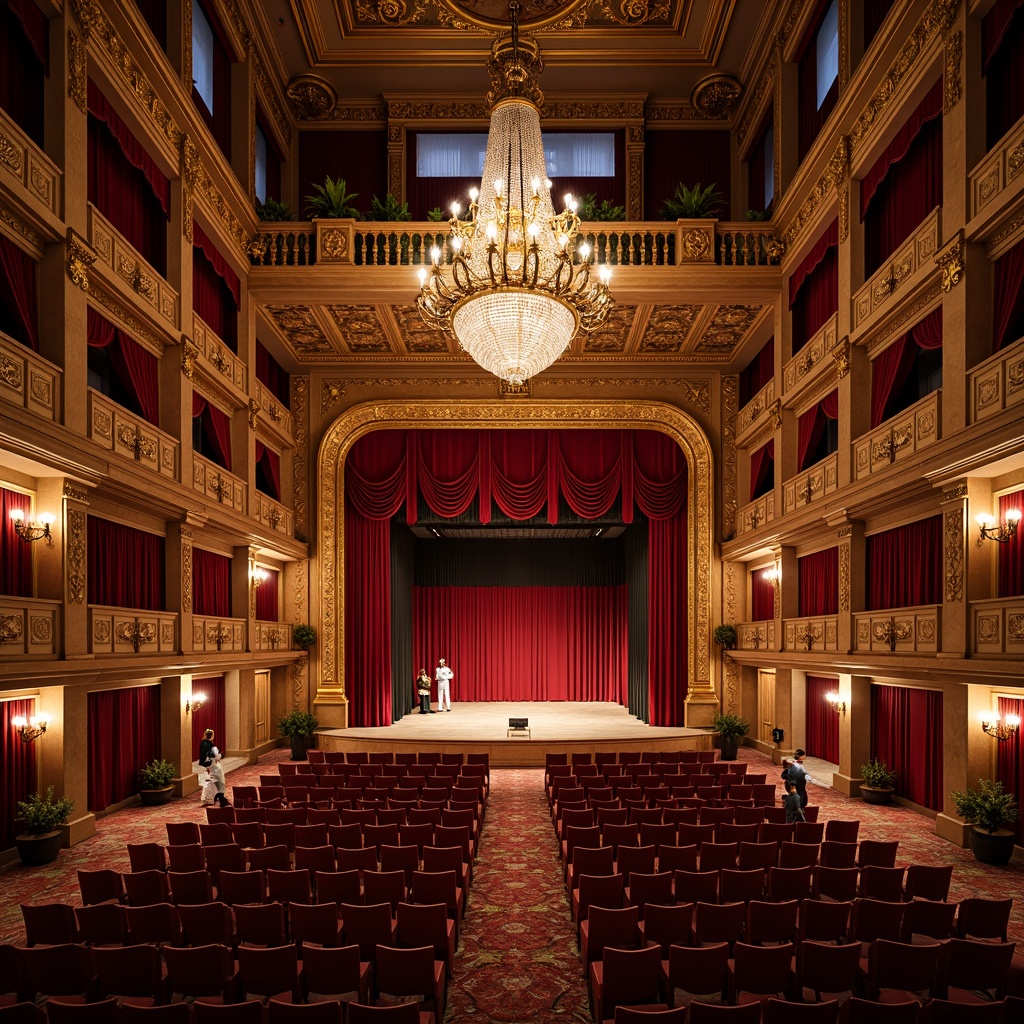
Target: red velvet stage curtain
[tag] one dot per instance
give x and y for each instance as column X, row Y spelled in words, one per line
column 667, row 649
column 893, row 366
column 216, row 289
column 1011, row 554
column 24, row 65
column 905, row 183
column 822, row 721
column 814, row 287
column 126, row 566
column 211, row 583
column 819, row 582
column 691, row 157
column 361, row 158
column 216, row 427
column 212, row 715
column 15, row 554
column 270, row 374
column 525, row 643
column 906, row 733
column 268, row 471
column 1008, row 297
column 17, row 767
column 811, row 425
column 757, row 372
column 810, row 117
column 19, row 306
column 137, row 369
column 762, row 597
column 1010, row 759
column 875, row 12
column 1002, row 34
column 762, row 470
column 904, row 565
column 267, row 606
column 124, row 733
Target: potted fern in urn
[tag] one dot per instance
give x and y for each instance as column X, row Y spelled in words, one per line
column 879, row 782
column 41, row 817
column 989, row 810
column 155, row 782
column 300, row 727
column 731, row 729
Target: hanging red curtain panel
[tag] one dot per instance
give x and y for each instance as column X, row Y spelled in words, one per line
column 822, row 721
column 906, row 733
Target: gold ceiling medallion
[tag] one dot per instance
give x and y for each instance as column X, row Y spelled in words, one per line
column 636, row 12
column 716, row 96
column 312, row 97
column 533, row 14
column 392, row 12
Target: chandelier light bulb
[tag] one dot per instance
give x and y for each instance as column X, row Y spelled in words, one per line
column 422, row 275
column 456, row 209
column 435, row 255
column 499, row 184
column 474, row 193
column 605, row 274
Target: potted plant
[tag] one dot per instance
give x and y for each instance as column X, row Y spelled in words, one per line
column 155, row 782
column 300, row 727
column 879, row 782
column 725, row 635
column 304, row 637
column 388, row 209
column 273, row 210
column 331, row 200
column 989, row 810
column 692, row 203
column 41, row 817
column 730, row 728
column 590, row 209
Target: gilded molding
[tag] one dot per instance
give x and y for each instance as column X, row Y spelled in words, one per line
column 841, row 355
column 191, row 168
column 958, row 492
column 332, row 393
column 951, row 262
column 766, row 81
column 635, row 12
column 78, row 75
column 844, row 211
column 189, row 355
column 775, row 413
column 844, row 577
column 698, row 393
column 391, row 12
column 833, row 177
column 80, row 257
column 730, row 467
column 486, row 414
column 300, row 454
column 844, row 45
column 312, row 98
column 952, row 86
column 954, row 537
column 506, row 389
column 186, row 574
column 75, row 493
column 186, row 33
column 675, row 112
column 254, row 413
column 75, row 559
column 733, row 613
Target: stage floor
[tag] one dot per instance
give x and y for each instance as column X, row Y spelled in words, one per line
column 482, row 727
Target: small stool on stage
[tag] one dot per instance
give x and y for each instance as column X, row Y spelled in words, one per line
column 518, row 727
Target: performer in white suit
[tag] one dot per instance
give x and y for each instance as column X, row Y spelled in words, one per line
column 444, row 676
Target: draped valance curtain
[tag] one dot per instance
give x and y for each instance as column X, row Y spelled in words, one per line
column 17, row 767
column 1002, row 42
column 811, row 426
column 136, row 368
column 15, row 554
column 814, row 287
column 216, row 289
column 216, row 428
column 906, row 733
column 822, row 721
column 762, row 597
column 1011, row 554
column 212, row 715
column 19, row 306
column 818, row 582
column 267, row 606
column 1008, row 297
column 126, row 566
column 1010, row 758
column 892, row 368
column 904, row 565
column 124, row 733
column 757, row 372
column 762, row 469
column 211, row 583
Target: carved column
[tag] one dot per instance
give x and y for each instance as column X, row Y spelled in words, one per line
column 296, row 611
column 179, row 579
column 76, row 642
column 635, row 171
column 852, row 546
column 965, row 759
column 300, row 457
column 64, row 755
column 955, row 606
column 243, row 593
column 788, row 605
column 396, row 159
column 854, row 733
column 734, row 602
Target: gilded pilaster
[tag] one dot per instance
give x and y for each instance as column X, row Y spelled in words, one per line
column 76, row 572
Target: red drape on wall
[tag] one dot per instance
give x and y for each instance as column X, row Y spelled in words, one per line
column 814, row 287
column 906, row 733
column 1002, row 42
column 670, row 157
column 525, row 643
column 822, row 721
column 892, row 367
column 136, row 369
column 126, row 566
column 819, row 582
column 1010, row 759
column 1008, row 297
column 18, row 764
column 667, row 651
column 811, row 425
column 267, row 607
column 15, row 554
column 270, row 463
column 211, row 583
column 216, row 289
column 904, row 565
column 323, row 153
column 757, row 372
column 212, row 715
column 270, row 373
column 24, row 64
column 762, row 467
column 124, row 733
column 217, row 430
column 19, row 306
column 762, row 597
column 1011, row 554
column 811, row 117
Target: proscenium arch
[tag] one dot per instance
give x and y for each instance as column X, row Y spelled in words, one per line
column 331, row 701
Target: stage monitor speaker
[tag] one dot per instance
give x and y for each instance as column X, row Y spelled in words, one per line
column 519, row 723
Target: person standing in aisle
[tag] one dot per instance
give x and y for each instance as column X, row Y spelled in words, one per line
column 444, row 676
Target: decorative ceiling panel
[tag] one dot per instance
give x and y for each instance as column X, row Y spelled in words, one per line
column 417, row 336
column 612, row 336
column 360, row 328
column 300, row 328
column 727, row 328
column 667, row 329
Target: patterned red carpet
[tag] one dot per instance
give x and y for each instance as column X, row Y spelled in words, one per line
column 518, row 959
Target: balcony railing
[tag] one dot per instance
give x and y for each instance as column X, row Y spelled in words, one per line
column 26, row 169
column 28, row 628
column 754, row 410
column 277, row 415
column 998, row 626
column 120, row 431
column 811, row 485
column 29, row 381
column 814, row 633
column 131, row 631
column 273, row 636
column 898, row 438
column 898, row 630
column 618, row 243
column 216, row 634
column 755, row 514
column 756, row 636
column 997, row 383
column 1000, row 172
column 217, row 484
column 272, row 513
column 216, row 354
column 121, row 257
column 813, row 355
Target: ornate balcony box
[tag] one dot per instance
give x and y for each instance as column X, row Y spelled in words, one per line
column 273, row 636
column 131, row 631
column 28, row 628
column 999, row 177
column 274, row 416
column 998, row 626
column 217, row 484
column 122, row 432
column 898, row 630
column 756, row 514
column 817, row 633
column 811, row 485
column 223, row 635
column 898, row 438
column 812, row 360
column 273, row 514
column 27, row 171
column 750, row 415
column 997, row 383
column 224, row 366
column 29, row 381
column 756, row 636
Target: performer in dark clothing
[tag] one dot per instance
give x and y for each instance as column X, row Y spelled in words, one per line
column 423, row 692
column 206, row 749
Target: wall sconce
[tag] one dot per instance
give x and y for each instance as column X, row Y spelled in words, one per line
column 31, row 531
column 989, row 528
column 772, row 576
column 258, row 577
column 30, row 728
column 195, row 702
column 1000, row 728
column 838, row 706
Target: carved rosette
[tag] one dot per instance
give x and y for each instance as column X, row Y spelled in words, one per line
column 76, row 554
column 716, row 96
column 954, row 543
column 312, row 97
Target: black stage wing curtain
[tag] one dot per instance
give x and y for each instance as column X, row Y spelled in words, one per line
column 523, row 473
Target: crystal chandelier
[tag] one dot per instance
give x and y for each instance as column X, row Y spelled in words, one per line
column 518, row 288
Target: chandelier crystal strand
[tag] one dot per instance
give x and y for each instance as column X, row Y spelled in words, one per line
column 519, row 289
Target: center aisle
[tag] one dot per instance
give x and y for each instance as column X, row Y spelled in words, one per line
column 518, row 958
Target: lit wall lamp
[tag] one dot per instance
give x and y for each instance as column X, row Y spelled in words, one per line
column 32, row 530
column 195, row 702
column 1000, row 728
column 30, row 729
column 259, row 577
column 838, row 706
column 989, row 528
